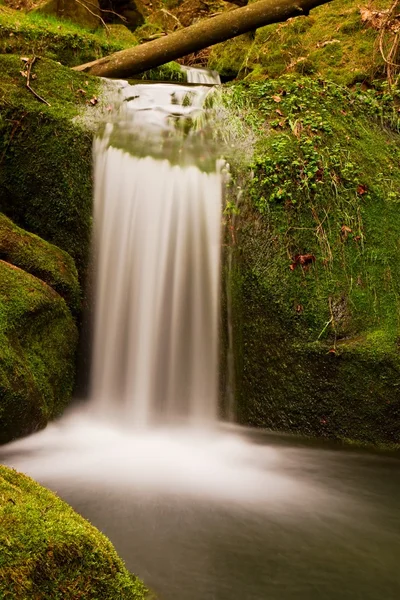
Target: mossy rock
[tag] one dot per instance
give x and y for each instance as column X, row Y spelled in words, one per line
column 332, row 43
column 316, row 285
column 45, row 172
column 86, row 14
column 50, row 552
column 37, row 353
column 45, row 261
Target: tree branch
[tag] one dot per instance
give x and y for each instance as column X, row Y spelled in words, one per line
column 201, row 35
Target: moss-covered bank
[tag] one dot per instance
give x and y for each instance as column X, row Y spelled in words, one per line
column 45, row 168
column 48, row 551
column 317, row 278
column 334, row 42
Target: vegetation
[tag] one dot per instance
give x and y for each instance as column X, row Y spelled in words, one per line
column 45, row 172
column 317, row 281
column 333, row 43
column 50, row 552
column 45, row 261
column 38, row 340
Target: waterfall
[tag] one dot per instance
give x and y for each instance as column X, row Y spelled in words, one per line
column 157, row 221
column 202, row 76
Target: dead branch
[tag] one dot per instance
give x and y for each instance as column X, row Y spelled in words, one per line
column 30, row 64
column 198, row 36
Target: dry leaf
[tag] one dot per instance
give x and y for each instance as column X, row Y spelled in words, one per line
column 277, row 98
column 345, row 231
column 361, row 189
column 93, row 101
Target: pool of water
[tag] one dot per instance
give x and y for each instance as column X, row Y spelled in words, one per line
column 229, row 514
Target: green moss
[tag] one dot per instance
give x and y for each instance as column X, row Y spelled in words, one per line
column 45, row 261
column 61, row 40
column 319, row 348
column 332, row 42
column 38, row 339
column 50, row 552
column 45, row 158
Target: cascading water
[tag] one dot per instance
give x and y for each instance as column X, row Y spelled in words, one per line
column 157, row 240
column 202, row 76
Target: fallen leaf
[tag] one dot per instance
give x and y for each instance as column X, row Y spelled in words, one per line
column 302, row 259
column 299, row 308
column 277, row 98
column 279, row 112
column 80, row 91
column 345, row 231
column 361, row 189
column 93, row 101
column 25, row 59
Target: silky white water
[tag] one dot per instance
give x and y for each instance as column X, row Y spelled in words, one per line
column 157, row 249
column 203, row 76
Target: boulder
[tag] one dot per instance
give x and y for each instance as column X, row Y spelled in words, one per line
column 84, row 12
column 48, row 551
column 37, row 353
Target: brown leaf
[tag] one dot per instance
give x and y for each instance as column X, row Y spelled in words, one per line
column 276, row 98
column 93, row 101
column 24, row 73
column 302, row 259
column 279, row 112
column 361, row 189
column 345, row 231
column 299, row 308
column 80, row 91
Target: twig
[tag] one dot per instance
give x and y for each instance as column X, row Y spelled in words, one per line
column 28, row 82
column 94, row 14
column 107, row 10
column 169, row 14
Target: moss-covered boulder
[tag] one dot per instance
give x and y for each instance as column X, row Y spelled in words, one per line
column 45, row 261
column 316, row 284
column 37, row 353
column 85, row 13
column 46, row 158
column 48, row 551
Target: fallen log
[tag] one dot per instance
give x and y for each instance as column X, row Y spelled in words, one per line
column 198, row 36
